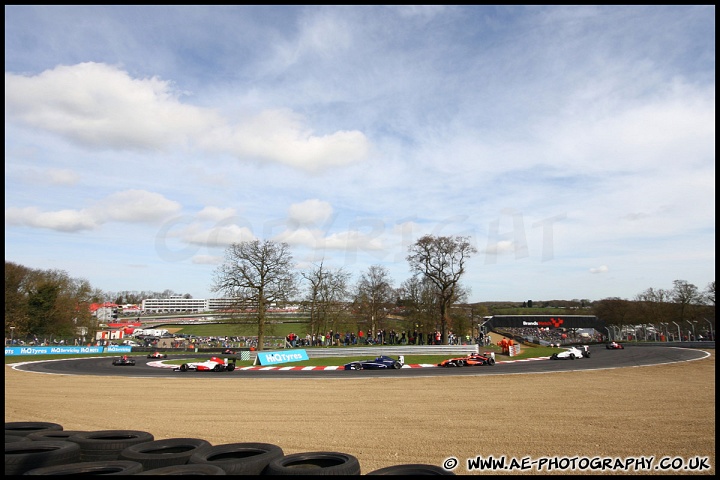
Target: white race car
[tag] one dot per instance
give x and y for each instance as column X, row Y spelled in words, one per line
column 572, row 353
column 215, row 364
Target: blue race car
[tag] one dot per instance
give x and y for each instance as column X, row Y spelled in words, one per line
column 381, row 362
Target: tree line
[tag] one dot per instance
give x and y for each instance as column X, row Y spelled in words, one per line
column 51, row 304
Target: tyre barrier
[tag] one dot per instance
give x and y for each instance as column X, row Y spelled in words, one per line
column 25, row 428
column 53, row 434
column 107, row 444
column 164, row 453
column 411, row 469
column 239, row 458
column 107, row 467
column 43, row 448
column 187, row 469
column 21, row 457
column 314, row 463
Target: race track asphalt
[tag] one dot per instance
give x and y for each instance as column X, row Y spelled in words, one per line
column 601, row 358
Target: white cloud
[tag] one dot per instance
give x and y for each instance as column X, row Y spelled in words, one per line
column 61, row 220
column 310, row 212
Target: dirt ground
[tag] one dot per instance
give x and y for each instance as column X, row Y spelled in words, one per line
column 627, row 413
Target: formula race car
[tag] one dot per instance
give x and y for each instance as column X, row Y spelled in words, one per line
column 124, row 361
column 614, row 346
column 474, row 359
column 214, row 364
column 572, row 353
column 157, row 355
column 381, row 362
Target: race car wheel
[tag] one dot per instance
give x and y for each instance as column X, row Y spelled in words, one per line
column 397, row 365
column 314, row 463
column 184, row 367
column 230, row 367
column 586, row 354
column 247, row 458
column 553, row 356
column 107, row 444
column 25, row 428
column 412, row 469
column 491, row 361
column 218, row 368
column 164, row 453
column 21, row 457
column 108, row 467
column 572, row 356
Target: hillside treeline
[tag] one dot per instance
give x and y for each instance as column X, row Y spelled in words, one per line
column 50, row 304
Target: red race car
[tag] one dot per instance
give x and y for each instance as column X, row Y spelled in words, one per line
column 157, row 355
column 474, row 359
column 214, row 364
column 614, row 346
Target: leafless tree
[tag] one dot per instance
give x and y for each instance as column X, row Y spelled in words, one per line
column 258, row 273
column 374, row 294
column 327, row 289
column 442, row 260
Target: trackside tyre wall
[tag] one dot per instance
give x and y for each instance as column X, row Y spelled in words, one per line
column 25, row 428
column 314, row 463
column 164, row 453
column 17, row 438
column 246, row 458
column 54, row 434
column 23, row 456
column 107, row 444
column 108, row 467
column 412, row 469
column 187, row 469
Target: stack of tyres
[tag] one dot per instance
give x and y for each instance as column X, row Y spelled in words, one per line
column 107, row 444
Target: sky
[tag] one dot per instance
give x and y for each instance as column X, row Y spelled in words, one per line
column 573, row 146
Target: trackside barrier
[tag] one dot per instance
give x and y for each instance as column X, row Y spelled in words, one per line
column 389, row 350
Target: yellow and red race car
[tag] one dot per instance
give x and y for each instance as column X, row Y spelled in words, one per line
column 474, row 359
column 157, row 355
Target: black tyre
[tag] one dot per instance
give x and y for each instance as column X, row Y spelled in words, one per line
column 58, row 435
column 184, row 367
column 107, row 444
column 412, row 469
column 23, row 456
column 230, row 367
column 491, row 361
column 17, row 438
column 239, row 458
column 314, row 463
column 187, row 469
column 108, row 467
column 397, row 365
column 553, row 356
column 25, row 428
column 572, row 356
column 218, row 368
column 586, row 354
column 164, row 453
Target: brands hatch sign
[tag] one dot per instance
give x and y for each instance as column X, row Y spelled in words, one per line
column 547, row 321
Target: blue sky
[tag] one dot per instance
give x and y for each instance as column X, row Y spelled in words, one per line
column 575, row 146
